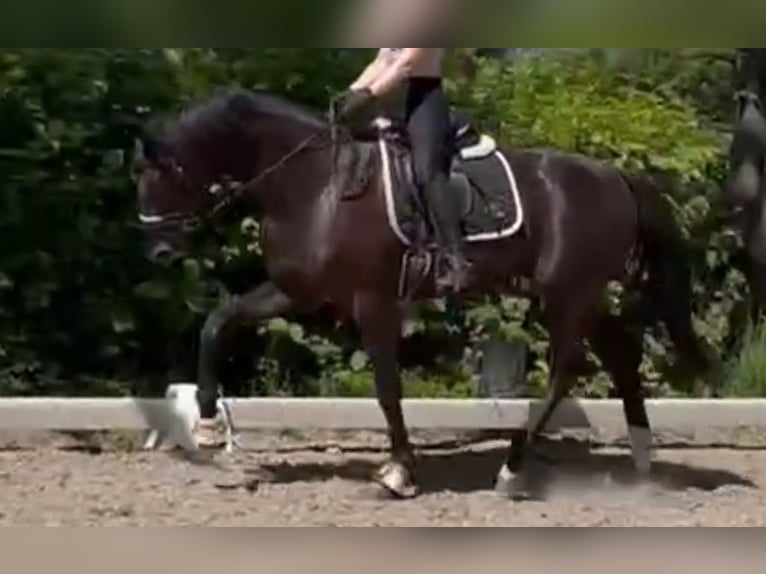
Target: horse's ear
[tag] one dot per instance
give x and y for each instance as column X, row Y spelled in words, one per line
column 150, row 150
column 151, row 145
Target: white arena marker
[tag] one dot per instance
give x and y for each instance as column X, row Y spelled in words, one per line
column 181, row 423
column 183, row 416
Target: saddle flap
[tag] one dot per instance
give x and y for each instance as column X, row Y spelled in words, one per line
column 460, row 187
column 486, row 189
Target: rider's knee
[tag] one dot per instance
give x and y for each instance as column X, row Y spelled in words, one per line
column 429, row 167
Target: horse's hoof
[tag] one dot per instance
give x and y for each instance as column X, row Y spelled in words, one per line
column 511, row 486
column 397, row 480
column 208, row 435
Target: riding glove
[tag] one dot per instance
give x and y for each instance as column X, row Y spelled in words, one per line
column 354, row 102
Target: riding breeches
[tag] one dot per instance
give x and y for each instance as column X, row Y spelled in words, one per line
column 428, row 126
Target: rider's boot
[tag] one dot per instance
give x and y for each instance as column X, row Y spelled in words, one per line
column 446, row 219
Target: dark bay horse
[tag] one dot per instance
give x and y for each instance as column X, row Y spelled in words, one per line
column 745, row 187
column 330, row 240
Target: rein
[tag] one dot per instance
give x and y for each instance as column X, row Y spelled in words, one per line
column 239, row 190
column 235, row 191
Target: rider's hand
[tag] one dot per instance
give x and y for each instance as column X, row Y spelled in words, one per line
column 353, row 103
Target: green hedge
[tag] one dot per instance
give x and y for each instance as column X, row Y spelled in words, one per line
column 80, row 306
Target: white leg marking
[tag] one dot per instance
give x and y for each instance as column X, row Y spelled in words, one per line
column 505, row 474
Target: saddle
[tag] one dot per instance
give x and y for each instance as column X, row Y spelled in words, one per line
column 481, row 176
column 466, row 141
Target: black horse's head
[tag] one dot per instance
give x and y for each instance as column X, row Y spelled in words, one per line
column 745, row 187
column 188, row 164
column 216, row 151
column 168, row 206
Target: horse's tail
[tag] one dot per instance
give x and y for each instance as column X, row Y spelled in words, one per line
column 665, row 273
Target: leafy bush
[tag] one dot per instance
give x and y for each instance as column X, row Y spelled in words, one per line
column 79, row 305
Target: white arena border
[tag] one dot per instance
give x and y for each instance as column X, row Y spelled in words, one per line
column 688, row 421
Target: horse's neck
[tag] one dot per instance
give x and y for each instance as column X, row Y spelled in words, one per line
column 297, row 203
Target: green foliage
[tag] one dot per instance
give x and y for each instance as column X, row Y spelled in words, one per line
column 747, row 371
column 76, row 296
column 79, row 304
column 578, row 105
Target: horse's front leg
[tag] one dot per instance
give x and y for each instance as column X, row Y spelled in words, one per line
column 263, row 303
column 380, row 321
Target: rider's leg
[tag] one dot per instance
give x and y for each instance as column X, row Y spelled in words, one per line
column 428, row 127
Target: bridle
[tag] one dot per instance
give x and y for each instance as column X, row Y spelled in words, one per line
column 226, row 193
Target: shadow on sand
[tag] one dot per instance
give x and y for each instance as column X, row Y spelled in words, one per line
column 569, row 466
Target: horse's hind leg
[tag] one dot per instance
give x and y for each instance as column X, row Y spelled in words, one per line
column 380, row 321
column 569, row 318
column 620, row 352
column 265, row 302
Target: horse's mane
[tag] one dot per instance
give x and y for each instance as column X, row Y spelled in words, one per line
column 226, row 112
